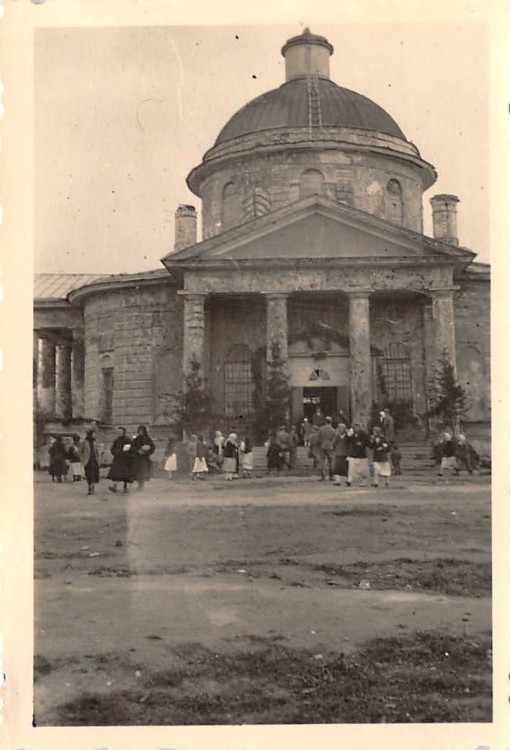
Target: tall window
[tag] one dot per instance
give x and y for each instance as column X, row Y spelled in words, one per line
column 231, row 207
column 238, row 382
column 106, row 395
column 394, row 203
column 311, row 182
column 396, row 372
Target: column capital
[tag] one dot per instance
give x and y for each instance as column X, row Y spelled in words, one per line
column 275, row 295
column 358, row 293
column 443, row 291
column 192, row 295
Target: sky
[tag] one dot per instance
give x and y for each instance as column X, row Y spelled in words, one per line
column 123, row 114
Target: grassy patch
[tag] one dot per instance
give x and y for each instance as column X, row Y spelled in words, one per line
column 427, row 677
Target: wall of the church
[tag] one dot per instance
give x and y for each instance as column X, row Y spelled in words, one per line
column 251, row 187
column 472, row 331
column 137, row 333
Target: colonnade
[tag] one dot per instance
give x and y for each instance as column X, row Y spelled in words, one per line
column 59, row 366
column 443, row 317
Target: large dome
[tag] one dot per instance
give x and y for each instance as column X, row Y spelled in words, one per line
column 295, row 103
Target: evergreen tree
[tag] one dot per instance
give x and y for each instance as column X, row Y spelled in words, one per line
column 272, row 396
column 448, row 399
column 194, row 409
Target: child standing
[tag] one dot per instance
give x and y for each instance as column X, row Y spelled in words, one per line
column 170, row 458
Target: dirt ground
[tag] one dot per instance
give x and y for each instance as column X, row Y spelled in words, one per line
column 263, row 601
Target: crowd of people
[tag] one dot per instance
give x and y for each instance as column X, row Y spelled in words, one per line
column 82, row 458
column 339, row 452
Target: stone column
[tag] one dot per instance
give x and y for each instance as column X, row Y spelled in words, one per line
column 361, row 362
column 46, row 379
column 77, row 374
column 276, row 327
column 63, row 403
column 194, row 331
column 443, row 315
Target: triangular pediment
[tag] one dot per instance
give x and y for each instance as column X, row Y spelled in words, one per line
column 317, row 228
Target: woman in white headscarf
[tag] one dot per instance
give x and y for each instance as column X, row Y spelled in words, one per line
column 231, row 457
column 448, row 448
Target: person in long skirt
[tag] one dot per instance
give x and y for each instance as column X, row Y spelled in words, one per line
column 381, row 456
column 121, row 469
column 58, row 460
column 358, row 461
column 170, row 458
column 273, row 454
column 340, row 454
column 448, row 454
column 246, row 449
column 90, row 460
column 231, row 457
column 143, row 448
column 200, row 467
column 191, row 450
column 73, row 454
column 218, row 444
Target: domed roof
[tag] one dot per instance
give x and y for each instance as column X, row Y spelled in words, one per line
column 294, row 105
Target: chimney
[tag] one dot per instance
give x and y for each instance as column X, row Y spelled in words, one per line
column 306, row 55
column 444, row 218
column 185, row 227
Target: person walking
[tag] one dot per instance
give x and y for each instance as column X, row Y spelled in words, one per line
column 90, row 458
column 325, row 440
column 340, row 454
column 293, row 446
column 388, row 426
column 448, row 454
column 231, row 457
column 121, row 469
column 381, row 451
column 143, row 448
column 318, row 417
column 200, row 467
column 306, row 429
column 191, row 450
column 218, row 443
column 246, row 452
column 170, row 458
column 314, row 451
column 73, row 455
column 273, row 454
column 283, row 440
column 358, row 461
column 467, row 457
column 58, row 460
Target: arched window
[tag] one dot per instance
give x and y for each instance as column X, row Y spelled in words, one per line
column 396, row 373
column 238, row 382
column 231, row 207
column 394, row 202
column 311, row 182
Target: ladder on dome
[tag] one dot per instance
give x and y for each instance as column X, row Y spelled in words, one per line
column 314, row 105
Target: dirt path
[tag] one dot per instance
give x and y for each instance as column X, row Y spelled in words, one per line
column 123, row 584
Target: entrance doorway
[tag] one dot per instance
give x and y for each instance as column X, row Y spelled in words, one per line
column 323, row 397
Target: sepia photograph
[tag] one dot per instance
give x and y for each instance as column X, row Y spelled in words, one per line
column 261, row 375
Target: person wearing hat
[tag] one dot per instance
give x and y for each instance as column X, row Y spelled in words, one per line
column 326, row 442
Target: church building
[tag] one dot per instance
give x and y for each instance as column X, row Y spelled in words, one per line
column 312, row 250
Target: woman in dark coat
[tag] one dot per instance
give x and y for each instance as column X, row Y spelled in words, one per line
column 121, row 469
column 90, row 460
column 143, row 448
column 273, row 455
column 58, row 462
